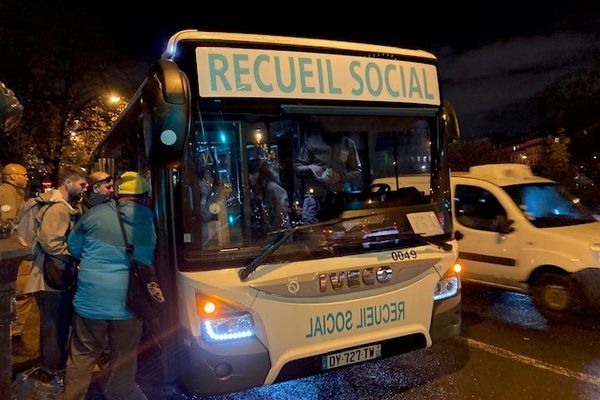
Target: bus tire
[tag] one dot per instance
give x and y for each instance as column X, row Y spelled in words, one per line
column 556, row 296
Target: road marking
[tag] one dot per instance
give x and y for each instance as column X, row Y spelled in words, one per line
column 580, row 376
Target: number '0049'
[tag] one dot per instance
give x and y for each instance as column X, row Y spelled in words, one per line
column 404, row 255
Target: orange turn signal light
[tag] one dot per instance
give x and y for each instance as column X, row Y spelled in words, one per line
column 457, row 267
column 209, row 307
column 205, row 305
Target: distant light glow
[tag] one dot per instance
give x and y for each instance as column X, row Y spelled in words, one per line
column 222, row 137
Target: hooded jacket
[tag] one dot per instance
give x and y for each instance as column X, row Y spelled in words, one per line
column 55, row 219
column 104, row 270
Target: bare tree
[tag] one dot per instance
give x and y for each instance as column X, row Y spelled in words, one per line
column 58, row 64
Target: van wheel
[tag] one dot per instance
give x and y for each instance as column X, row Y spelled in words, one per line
column 556, row 296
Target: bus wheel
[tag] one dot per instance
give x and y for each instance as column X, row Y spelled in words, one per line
column 556, row 296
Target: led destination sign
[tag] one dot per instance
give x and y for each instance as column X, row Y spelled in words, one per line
column 231, row 72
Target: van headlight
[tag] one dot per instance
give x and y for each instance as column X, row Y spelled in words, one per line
column 447, row 287
column 222, row 320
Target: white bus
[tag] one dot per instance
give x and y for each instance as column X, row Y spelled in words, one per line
column 253, row 302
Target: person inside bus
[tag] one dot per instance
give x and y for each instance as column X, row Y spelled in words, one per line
column 271, row 200
column 326, row 162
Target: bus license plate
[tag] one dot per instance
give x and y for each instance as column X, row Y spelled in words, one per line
column 353, row 356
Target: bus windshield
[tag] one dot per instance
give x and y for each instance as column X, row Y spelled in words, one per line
column 248, row 175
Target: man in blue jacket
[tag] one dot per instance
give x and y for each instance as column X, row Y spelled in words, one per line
column 102, row 319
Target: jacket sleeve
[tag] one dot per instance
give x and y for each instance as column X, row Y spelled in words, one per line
column 75, row 240
column 53, row 231
column 302, row 162
column 353, row 166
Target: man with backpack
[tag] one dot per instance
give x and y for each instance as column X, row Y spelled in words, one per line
column 55, row 218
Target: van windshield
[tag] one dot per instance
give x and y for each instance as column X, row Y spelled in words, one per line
column 548, row 205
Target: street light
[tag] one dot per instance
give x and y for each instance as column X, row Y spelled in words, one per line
column 114, row 99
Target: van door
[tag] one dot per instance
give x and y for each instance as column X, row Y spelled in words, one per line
column 488, row 254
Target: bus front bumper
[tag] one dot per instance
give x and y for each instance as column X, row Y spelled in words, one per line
column 446, row 319
column 224, row 367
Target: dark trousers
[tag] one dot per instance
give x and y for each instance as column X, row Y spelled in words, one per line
column 56, row 312
column 90, row 338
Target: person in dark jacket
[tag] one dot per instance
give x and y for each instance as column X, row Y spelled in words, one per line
column 100, row 190
column 102, row 318
column 326, row 162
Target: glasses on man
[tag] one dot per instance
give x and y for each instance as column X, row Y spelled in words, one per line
column 108, row 181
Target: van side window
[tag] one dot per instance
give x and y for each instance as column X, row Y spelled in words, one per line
column 477, row 208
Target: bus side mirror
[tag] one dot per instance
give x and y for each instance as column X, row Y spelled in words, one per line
column 166, row 111
column 450, row 122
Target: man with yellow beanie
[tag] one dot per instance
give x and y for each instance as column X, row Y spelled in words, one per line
column 133, row 183
column 102, row 318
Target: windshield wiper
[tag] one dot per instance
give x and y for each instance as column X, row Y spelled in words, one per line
column 282, row 236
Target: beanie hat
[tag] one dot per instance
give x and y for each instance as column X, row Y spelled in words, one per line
column 133, row 183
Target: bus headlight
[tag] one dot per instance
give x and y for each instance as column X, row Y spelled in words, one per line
column 446, row 287
column 220, row 330
column 222, row 320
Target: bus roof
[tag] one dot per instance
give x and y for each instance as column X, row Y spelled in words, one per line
column 192, row 34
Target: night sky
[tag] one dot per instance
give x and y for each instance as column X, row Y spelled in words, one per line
column 493, row 57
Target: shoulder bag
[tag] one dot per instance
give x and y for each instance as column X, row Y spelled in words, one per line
column 60, row 272
column 144, row 295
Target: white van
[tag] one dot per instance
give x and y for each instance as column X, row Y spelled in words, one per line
column 526, row 233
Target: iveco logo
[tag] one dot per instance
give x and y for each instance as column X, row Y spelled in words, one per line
column 355, row 277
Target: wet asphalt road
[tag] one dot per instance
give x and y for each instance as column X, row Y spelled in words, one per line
column 506, row 350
